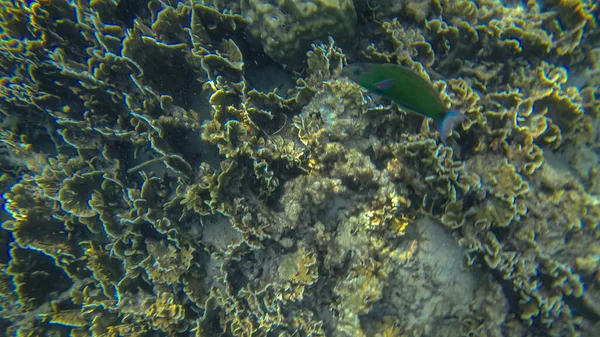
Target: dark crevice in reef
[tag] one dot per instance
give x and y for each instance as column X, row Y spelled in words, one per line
column 509, row 292
column 579, row 305
column 124, row 13
column 264, row 74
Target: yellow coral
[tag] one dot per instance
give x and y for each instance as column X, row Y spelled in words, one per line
column 164, row 313
column 165, row 263
column 298, row 270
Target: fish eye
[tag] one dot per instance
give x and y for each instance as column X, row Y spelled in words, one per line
column 356, row 71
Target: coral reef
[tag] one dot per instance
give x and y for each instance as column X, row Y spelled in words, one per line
column 286, row 28
column 202, row 168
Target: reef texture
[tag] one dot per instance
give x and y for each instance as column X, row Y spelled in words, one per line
column 166, row 174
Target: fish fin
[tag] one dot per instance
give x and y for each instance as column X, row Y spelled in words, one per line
column 384, row 85
column 449, row 123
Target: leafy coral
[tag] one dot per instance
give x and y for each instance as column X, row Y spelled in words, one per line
column 154, row 187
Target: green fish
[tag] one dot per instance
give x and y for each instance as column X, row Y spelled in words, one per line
column 407, row 88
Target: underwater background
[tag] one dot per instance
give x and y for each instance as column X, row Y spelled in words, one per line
column 204, row 168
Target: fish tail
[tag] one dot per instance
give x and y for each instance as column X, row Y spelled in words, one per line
column 449, row 123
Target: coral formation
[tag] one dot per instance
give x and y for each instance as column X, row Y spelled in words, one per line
column 152, row 186
column 286, row 28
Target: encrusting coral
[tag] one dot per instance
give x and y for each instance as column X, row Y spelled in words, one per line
column 152, row 186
